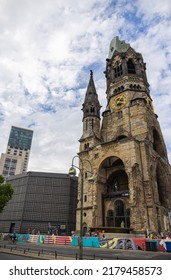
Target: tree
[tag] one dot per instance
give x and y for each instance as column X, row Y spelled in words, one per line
column 6, row 192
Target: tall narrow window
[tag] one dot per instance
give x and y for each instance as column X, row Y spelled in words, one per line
column 92, row 109
column 131, row 67
column 120, row 115
column 92, row 123
column 86, row 124
column 119, row 208
column 119, row 214
column 109, row 218
column 118, row 71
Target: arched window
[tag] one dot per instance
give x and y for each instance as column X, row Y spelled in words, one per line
column 117, row 181
column 120, row 115
column 118, row 71
column 92, row 109
column 120, row 220
column 131, row 67
column 119, row 208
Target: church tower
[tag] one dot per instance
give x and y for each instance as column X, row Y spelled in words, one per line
column 91, row 117
column 132, row 188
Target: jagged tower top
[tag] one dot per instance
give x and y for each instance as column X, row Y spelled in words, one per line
column 117, row 45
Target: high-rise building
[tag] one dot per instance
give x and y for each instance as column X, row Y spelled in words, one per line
column 132, row 190
column 15, row 160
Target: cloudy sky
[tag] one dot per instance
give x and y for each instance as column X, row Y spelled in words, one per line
column 47, row 49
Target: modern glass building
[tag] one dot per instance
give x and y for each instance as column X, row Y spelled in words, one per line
column 20, row 138
column 41, row 202
column 15, row 160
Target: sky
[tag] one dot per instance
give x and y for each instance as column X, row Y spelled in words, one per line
column 47, row 49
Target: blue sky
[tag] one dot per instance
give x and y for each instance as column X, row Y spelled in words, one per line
column 46, row 51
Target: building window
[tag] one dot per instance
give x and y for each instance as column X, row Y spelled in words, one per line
column 86, row 146
column 92, row 109
column 86, row 123
column 110, row 218
column 118, row 71
column 131, row 67
column 120, row 115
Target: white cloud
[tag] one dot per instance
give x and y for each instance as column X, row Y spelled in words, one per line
column 46, row 51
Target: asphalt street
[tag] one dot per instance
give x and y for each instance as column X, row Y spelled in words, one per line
column 72, row 252
column 6, row 256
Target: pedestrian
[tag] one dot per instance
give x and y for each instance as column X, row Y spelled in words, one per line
column 1, row 236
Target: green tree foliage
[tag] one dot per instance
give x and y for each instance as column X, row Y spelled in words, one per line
column 6, row 192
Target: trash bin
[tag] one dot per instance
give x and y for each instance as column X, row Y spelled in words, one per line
column 168, row 246
column 148, row 246
column 153, row 246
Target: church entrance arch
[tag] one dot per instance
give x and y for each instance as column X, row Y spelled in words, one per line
column 115, row 193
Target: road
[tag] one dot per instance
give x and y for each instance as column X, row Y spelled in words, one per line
column 4, row 256
column 72, row 252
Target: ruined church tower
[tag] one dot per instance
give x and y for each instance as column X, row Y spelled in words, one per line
column 132, row 188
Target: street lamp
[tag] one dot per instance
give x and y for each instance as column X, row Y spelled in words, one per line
column 72, row 172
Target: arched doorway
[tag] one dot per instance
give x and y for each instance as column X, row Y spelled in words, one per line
column 115, row 193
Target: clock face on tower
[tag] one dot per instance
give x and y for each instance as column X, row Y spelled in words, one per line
column 119, row 102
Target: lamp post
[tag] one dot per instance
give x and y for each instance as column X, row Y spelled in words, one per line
column 72, row 172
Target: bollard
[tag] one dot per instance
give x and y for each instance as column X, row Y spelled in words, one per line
column 56, row 255
column 94, row 257
column 117, row 258
column 76, row 256
column 11, row 249
column 24, row 251
column 39, row 253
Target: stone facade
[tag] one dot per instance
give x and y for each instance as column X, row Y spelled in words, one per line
column 128, row 156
